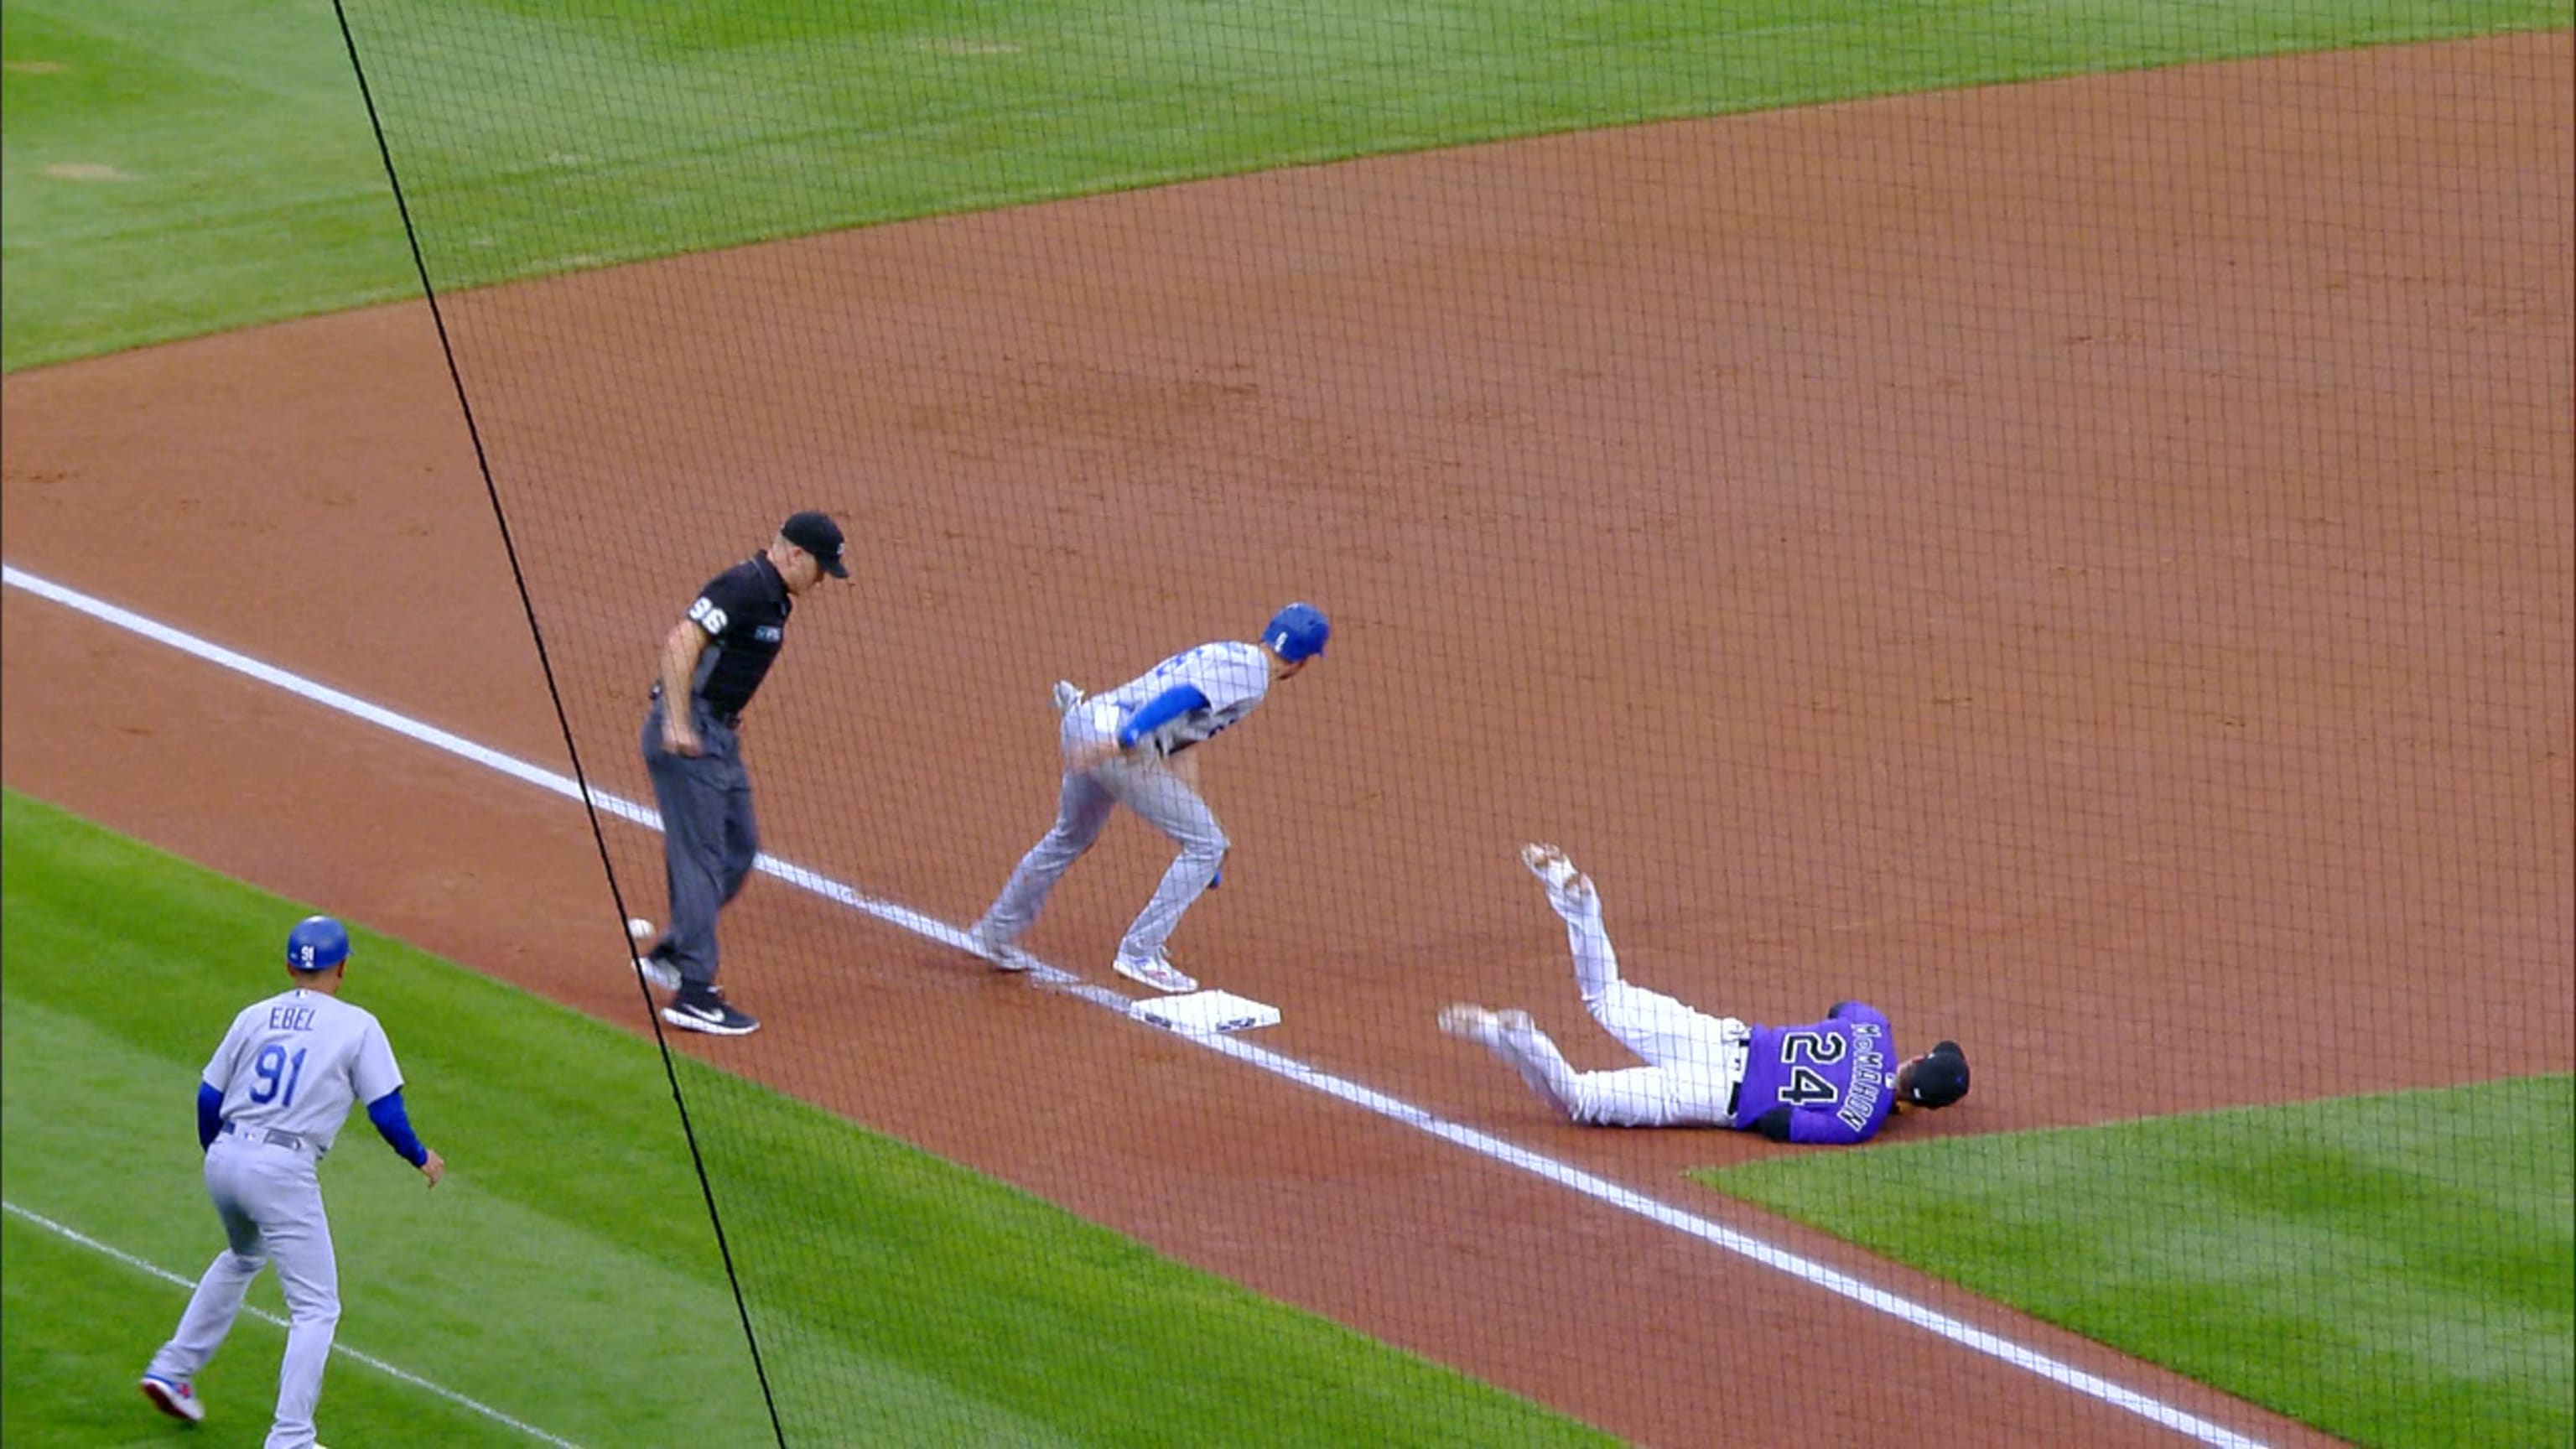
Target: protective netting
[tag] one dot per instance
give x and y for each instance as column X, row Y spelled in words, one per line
column 2083, row 565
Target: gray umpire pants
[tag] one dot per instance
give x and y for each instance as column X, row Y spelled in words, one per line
column 709, row 836
column 1088, row 798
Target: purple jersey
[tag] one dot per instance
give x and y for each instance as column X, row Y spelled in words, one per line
column 1832, row 1082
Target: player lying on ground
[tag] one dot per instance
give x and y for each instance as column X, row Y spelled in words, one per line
column 1834, row 1081
column 1127, row 747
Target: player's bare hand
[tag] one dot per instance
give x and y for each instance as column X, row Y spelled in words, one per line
column 679, row 736
column 433, row 1167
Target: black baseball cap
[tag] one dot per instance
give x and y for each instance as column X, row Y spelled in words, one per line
column 1941, row 1078
column 818, row 535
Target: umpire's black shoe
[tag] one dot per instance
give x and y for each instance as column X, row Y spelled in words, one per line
column 703, row 1008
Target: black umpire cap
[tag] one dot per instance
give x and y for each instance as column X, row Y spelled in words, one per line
column 1941, row 1078
column 818, row 535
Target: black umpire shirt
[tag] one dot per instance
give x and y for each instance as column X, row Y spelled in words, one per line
column 744, row 611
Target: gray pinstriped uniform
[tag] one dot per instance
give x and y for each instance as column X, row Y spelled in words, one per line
column 1235, row 678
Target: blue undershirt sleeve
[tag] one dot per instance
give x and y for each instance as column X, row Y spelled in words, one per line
column 394, row 1125
column 1159, row 711
column 210, row 1114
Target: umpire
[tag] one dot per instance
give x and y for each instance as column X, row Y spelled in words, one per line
column 715, row 659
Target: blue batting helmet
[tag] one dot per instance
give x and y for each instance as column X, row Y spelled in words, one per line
column 317, row 943
column 1297, row 632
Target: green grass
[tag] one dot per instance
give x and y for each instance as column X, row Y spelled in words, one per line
column 76, row 1318
column 2396, row 1270
column 566, row 1273
column 246, row 185
column 540, row 135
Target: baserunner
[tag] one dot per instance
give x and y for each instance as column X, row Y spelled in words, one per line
column 1135, row 746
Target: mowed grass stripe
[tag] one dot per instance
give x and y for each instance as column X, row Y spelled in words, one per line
column 70, row 1356
column 169, row 170
column 2396, row 1269
column 241, row 183
column 566, row 1273
column 339, row 1346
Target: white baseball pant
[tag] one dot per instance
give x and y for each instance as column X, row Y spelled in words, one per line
column 1161, row 798
column 1694, row 1060
column 271, row 1206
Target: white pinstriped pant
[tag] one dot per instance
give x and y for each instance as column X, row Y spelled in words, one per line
column 1088, row 798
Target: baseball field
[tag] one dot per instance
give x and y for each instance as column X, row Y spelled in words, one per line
column 2059, row 521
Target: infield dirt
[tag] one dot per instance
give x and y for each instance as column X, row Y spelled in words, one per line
column 2085, row 566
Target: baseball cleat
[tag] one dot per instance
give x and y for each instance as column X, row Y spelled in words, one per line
column 177, row 1400
column 1158, row 973
column 1067, row 695
column 1000, row 955
column 1550, row 865
column 705, row 1009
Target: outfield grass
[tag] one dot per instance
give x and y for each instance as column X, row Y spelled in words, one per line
column 2397, row 1270
column 538, row 136
column 566, row 1274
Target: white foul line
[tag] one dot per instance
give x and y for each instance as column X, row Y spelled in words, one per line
column 1562, row 1174
column 264, row 1316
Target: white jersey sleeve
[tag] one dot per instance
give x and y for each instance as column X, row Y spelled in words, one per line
column 1233, row 676
column 372, row 1071
column 298, row 1061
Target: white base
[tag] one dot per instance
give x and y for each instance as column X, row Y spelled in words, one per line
column 1203, row 1012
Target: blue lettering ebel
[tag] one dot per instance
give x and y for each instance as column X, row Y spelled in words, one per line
column 290, row 1018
